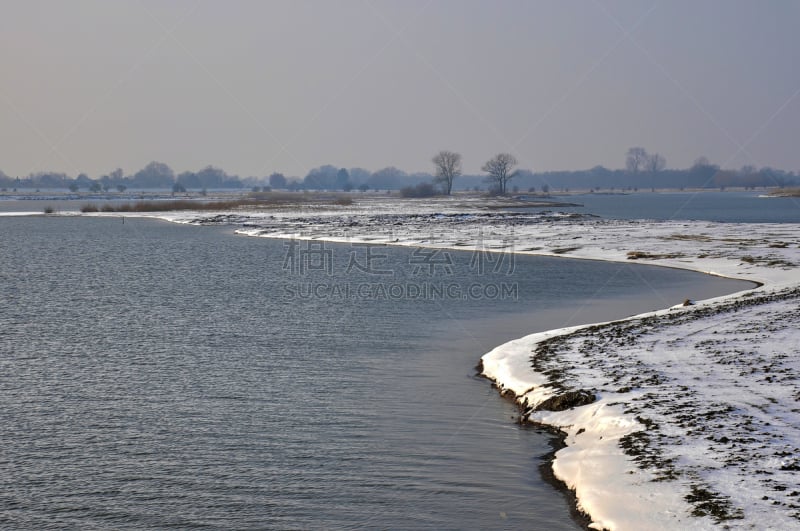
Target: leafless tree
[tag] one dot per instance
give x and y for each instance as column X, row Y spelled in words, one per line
column 448, row 167
column 500, row 170
column 635, row 160
column 654, row 163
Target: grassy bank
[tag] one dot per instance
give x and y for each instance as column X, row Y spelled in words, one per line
column 253, row 200
column 788, row 192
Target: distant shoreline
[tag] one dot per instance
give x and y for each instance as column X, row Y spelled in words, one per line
column 25, row 194
column 794, row 192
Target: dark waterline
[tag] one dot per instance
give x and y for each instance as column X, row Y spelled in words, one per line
column 160, row 375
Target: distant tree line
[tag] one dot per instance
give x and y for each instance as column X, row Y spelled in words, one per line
column 642, row 171
column 154, row 176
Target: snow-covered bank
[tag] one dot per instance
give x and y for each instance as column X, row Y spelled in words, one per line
column 695, row 421
column 688, row 415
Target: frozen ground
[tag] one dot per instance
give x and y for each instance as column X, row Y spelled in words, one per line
column 688, row 417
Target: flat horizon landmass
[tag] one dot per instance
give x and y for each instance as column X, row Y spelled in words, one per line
column 644, row 171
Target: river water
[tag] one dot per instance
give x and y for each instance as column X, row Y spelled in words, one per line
column 160, row 375
column 726, row 207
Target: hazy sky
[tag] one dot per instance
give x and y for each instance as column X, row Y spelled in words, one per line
column 262, row 86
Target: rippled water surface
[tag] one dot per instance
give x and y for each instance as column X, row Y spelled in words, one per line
column 157, row 375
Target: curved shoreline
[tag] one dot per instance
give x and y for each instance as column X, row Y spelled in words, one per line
column 522, row 380
column 767, row 281
column 557, row 441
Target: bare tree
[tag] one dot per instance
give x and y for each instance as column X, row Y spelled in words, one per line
column 448, row 167
column 500, row 171
column 654, row 163
column 635, row 160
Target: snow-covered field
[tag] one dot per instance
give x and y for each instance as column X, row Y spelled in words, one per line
column 688, row 417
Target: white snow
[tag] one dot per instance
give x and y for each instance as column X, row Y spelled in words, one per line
column 18, row 214
column 715, row 389
column 696, row 422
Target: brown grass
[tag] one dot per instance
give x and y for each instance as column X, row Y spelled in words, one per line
column 766, row 260
column 688, row 237
column 253, row 199
column 638, row 255
column 563, row 250
column 788, row 192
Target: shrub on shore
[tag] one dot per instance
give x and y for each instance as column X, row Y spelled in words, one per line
column 343, row 201
column 420, row 190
